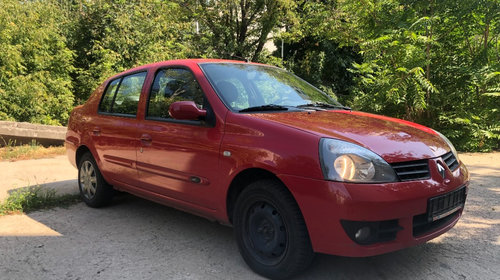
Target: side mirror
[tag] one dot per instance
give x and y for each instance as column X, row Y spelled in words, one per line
column 185, row 110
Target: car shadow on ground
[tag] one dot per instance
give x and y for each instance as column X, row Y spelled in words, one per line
column 61, row 187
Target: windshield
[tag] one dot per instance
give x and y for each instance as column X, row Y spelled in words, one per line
column 243, row 86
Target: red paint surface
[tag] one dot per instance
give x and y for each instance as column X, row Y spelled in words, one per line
column 158, row 159
column 393, row 139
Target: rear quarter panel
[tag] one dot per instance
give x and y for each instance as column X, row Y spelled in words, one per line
column 78, row 124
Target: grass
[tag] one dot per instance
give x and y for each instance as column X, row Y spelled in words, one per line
column 35, row 198
column 34, row 150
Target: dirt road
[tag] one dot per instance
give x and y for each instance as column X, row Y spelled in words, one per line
column 138, row 239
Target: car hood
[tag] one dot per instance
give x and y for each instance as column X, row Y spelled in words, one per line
column 393, row 139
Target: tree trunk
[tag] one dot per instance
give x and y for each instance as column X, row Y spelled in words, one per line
column 428, row 54
column 486, row 35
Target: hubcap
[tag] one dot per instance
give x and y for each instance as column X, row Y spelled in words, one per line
column 88, row 180
column 266, row 233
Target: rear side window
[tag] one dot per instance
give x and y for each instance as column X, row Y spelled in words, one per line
column 122, row 95
column 171, row 85
column 107, row 99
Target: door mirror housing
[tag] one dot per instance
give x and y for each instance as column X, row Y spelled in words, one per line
column 186, row 110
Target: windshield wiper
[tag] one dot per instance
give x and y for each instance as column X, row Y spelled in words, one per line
column 323, row 105
column 269, row 107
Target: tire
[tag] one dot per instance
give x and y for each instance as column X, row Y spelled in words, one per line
column 94, row 190
column 270, row 231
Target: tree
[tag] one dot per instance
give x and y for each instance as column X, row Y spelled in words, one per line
column 432, row 62
column 467, row 64
column 35, row 63
column 236, row 28
column 317, row 49
column 114, row 35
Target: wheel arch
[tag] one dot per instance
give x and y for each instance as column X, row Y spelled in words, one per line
column 80, row 152
column 241, row 181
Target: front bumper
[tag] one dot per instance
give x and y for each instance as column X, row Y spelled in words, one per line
column 325, row 204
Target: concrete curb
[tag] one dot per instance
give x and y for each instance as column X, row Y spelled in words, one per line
column 18, row 133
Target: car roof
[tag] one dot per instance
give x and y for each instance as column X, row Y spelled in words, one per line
column 178, row 62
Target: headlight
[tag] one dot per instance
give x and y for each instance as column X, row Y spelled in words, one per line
column 452, row 148
column 347, row 162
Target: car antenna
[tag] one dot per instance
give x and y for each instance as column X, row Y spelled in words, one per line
column 240, row 58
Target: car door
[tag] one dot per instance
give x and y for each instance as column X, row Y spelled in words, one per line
column 178, row 159
column 114, row 131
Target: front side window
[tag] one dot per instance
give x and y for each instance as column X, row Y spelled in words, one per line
column 171, row 85
column 122, row 95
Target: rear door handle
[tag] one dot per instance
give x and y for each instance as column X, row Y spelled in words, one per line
column 96, row 131
column 146, row 139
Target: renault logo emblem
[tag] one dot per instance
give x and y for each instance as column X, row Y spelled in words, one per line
column 441, row 169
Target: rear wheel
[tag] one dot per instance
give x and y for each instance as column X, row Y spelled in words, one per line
column 270, row 231
column 94, row 190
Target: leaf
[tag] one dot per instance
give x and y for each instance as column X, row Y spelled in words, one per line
column 493, row 94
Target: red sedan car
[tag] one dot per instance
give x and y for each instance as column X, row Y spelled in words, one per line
column 253, row 146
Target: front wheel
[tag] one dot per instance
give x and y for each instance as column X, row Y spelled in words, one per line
column 94, row 190
column 270, row 231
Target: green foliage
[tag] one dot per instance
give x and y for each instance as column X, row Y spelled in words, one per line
column 322, row 62
column 35, row 63
column 34, row 198
column 111, row 36
column 312, row 50
column 433, row 62
column 236, row 28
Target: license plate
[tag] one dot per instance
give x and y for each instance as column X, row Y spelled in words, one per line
column 446, row 204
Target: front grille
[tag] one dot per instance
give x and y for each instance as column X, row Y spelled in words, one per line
column 450, row 160
column 440, row 210
column 412, row 170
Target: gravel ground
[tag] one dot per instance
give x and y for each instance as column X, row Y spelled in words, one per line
column 138, row 239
